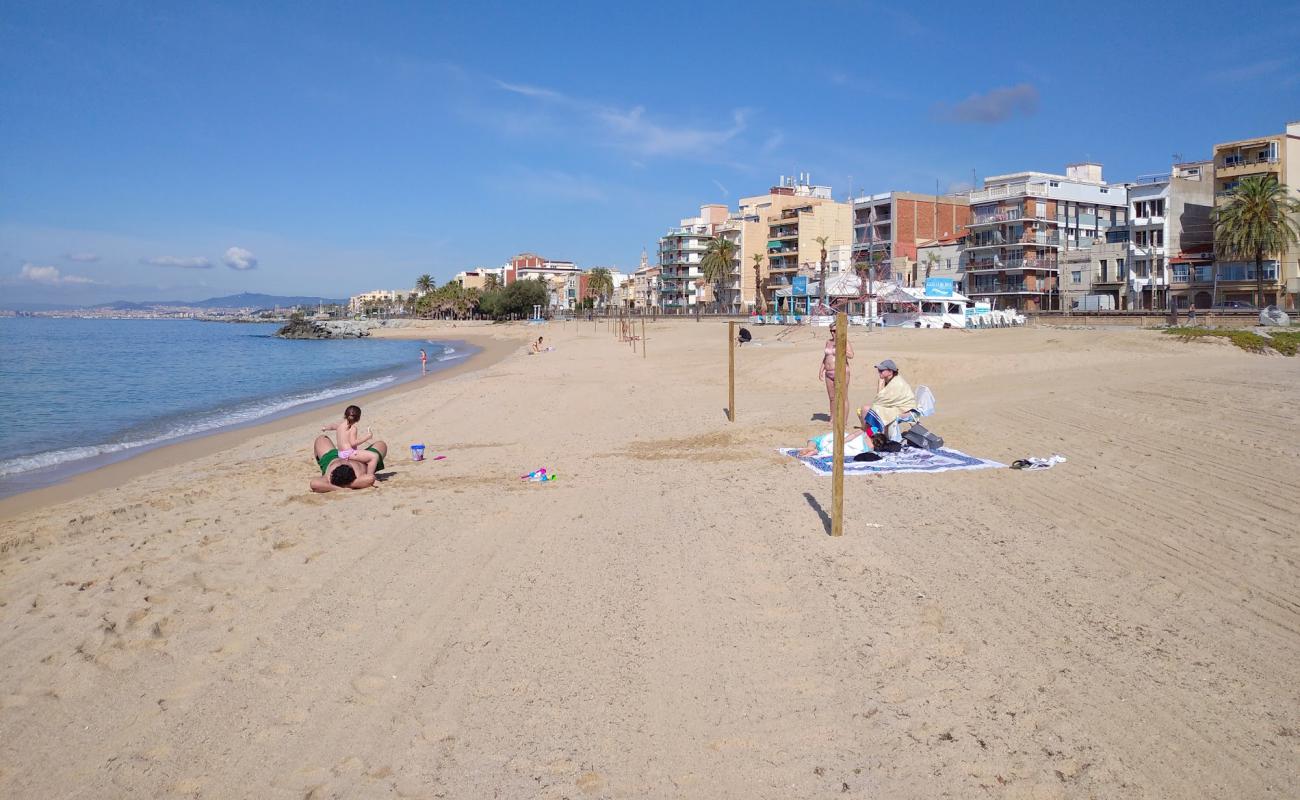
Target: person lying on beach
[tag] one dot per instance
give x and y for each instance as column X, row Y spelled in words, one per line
column 344, row 473
column 349, row 444
column 824, row 445
column 536, row 347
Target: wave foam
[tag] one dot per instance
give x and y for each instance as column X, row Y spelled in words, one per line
column 203, row 424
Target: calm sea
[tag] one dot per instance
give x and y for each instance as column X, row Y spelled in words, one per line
column 76, row 393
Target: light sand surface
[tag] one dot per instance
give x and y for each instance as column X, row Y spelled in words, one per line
column 669, row 618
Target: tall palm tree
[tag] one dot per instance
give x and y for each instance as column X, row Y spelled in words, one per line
column 760, row 299
column 1259, row 218
column 424, row 283
column 489, row 283
column 821, row 300
column 600, row 283
column 716, row 265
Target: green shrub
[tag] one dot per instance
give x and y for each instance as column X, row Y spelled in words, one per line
column 1284, row 342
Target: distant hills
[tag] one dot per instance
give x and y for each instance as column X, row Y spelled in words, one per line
column 244, row 300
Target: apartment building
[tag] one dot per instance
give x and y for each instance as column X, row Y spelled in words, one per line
column 797, row 214
column 1170, row 229
column 533, row 266
column 1020, row 224
column 1277, row 155
column 888, row 227
column 378, row 298
column 1094, row 270
column 681, row 250
column 941, row 258
column 481, row 277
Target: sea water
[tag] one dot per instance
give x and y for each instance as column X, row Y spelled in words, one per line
column 76, row 393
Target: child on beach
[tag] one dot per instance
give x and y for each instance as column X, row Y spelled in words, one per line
column 424, row 362
column 349, row 446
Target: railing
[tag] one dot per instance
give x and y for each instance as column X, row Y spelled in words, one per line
column 1012, row 263
column 1238, row 161
column 998, row 287
column 1008, row 190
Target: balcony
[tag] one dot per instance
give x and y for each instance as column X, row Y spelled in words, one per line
column 1036, row 189
column 1001, row 264
column 1001, row 287
column 1235, row 165
column 1028, row 240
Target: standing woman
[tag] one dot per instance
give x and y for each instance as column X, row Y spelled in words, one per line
column 827, row 375
column 424, row 362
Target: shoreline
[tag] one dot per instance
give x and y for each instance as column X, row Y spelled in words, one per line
column 120, row 469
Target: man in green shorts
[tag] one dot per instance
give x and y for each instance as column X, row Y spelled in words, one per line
column 343, row 473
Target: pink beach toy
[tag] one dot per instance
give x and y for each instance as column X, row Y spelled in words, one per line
column 537, row 474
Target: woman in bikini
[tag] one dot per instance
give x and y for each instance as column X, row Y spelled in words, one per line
column 828, row 376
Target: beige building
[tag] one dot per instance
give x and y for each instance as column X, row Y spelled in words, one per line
column 793, row 215
column 1094, row 270
column 1277, row 155
column 378, row 298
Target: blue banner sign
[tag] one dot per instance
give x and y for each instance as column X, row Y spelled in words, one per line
column 938, row 287
column 799, row 286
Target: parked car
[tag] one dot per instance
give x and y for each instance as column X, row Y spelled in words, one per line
column 1234, row 305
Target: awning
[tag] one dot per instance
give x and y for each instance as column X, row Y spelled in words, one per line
column 1191, row 258
column 773, row 243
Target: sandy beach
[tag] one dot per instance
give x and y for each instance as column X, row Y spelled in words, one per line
column 669, row 618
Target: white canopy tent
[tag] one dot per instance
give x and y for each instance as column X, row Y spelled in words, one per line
column 911, row 307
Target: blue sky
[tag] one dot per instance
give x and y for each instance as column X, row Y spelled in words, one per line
column 152, row 150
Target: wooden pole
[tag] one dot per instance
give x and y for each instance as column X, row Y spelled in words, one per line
column 643, row 337
column 731, row 371
column 837, row 476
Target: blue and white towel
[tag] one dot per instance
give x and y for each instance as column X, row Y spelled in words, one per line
column 909, row 459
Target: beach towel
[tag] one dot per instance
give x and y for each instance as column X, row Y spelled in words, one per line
column 909, row 459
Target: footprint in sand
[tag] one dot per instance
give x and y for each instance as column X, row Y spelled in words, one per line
column 590, row 782
column 368, row 687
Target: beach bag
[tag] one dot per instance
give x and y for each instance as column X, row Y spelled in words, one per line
column 918, row 436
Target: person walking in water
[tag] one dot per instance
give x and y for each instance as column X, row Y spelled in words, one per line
column 424, row 362
column 827, row 375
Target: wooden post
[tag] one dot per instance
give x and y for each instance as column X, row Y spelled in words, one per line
column 643, row 337
column 837, row 476
column 731, row 371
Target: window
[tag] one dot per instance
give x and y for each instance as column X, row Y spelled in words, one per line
column 1104, row 190
column 1180, row 273
column 1053, row 183
column 1076, row 276
column 1105, row 271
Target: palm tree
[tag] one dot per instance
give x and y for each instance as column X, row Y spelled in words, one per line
column 716, row 265
column 931, row 261
column 489, row 283
column 821, row 240
column 424, row 283
column 759, row 298
column 1258, row 219
column 600, row 283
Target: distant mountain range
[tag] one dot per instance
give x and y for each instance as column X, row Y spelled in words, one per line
column 245, row 300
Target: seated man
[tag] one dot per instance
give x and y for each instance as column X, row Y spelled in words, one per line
column 894, row 399
column 343, row 473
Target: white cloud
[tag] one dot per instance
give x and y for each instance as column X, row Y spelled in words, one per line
column 50, row 276
column 638, row 133
column 240, row 259
column 997, row 105
column 176, row 261
column 633, row 129
column 84, row 258
column 531, row 91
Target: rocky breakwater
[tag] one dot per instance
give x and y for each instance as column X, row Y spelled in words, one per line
column 299, row 328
